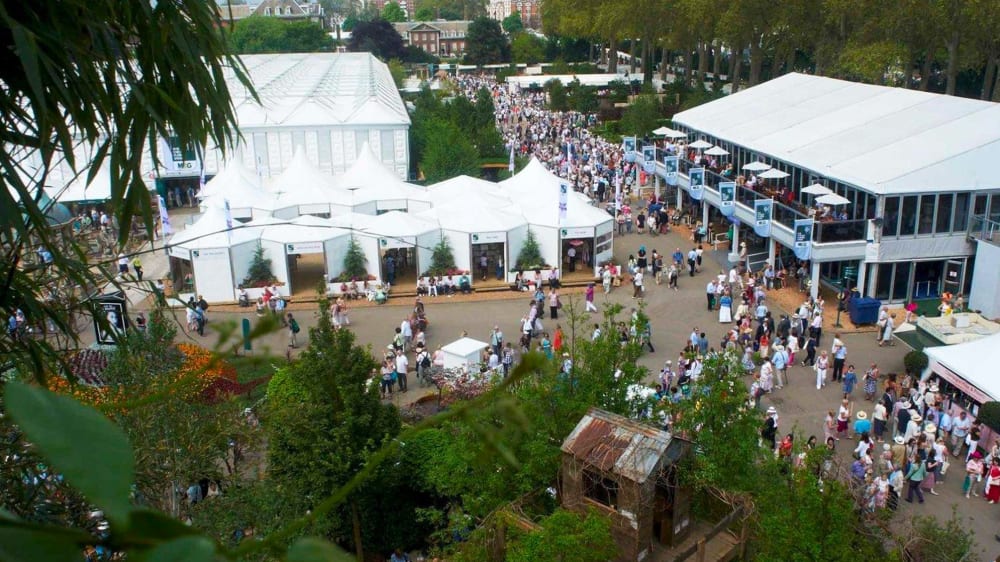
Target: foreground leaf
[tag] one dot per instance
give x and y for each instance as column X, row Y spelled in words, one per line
column 90, row 451
column 187, row 549
column 310, row 549
column 24, row 545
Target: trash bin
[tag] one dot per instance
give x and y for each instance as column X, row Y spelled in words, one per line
column 863, row 310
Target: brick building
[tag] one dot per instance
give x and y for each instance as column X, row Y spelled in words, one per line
column 530, row 10
column 439, row 38
column 284, row 9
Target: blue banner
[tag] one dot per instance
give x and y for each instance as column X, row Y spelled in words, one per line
column 670, row 169
column 696, row 177
column 762, row 217
column 649, row 158
column 727, row 197
column 803, row 239
column 628, row 146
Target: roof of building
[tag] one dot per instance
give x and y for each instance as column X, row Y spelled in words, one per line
column 315, row 90
column 881, row 139
column 616, row 444
column 438, row 25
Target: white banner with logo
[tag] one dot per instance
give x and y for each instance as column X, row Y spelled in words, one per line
column 803, row 238
column 727, row 198
column 697, row 183
column 762, row 217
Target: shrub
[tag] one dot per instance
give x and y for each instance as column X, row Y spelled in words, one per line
column 530, row 256
column 989, row 414
column 260, row 274
column 915, row 362
column 355, row 264
column 442, row 260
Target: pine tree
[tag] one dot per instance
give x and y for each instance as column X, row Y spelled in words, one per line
column 530, row 256
column 443, row 258
column 260, row 273
column 355, row 264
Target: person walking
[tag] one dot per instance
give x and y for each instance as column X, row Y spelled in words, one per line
column 589, row 298
column 554, row 304
column 821, row 366
column 915, row 478
column 137, row 267
column 637, row 285
column 293, row 330
column 839, row 352
column 402, row 365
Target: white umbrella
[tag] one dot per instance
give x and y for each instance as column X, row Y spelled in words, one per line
column 663, row 131
column 700, row 144
column 817, row 189
column 773, row 174
column 756, row 166
column 675, row 134
column 832, row 199
column 717, row 151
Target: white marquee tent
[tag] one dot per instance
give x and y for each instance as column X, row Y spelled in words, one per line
column 241, row 187
column 398, row 230
column 302, row 189
column 970, row 367
column 472, row 221
column 79, row 190
column 369, row 181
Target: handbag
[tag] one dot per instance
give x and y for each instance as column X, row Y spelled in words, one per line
column 944, row 467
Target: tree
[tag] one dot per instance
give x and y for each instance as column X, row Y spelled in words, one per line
column 398, row 72
column 582, row 98
column 557, row 95
column 566, row 535
column 424, row 13
column 378, row 37
column 261, row 34
column 642, row 115
column 485, row 43
column 530, row 256
column 393, row 12
column 65, row 89
column 259, row 274
column 512, row 24
column 443, row 258
column 447, row 152
column 526, row 48
column 325, row 418
column 355, row 266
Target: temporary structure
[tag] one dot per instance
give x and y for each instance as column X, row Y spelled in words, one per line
column 302, row 189
column 464, row 354
column 970, row 367
column 475, row 221
column 717, row 151
column 370, row 181
column 832, row 199
column 773, row 174
column 399, row 230
column 816, row 189
column 81, row 191
column 700, row 144
column 756, row 166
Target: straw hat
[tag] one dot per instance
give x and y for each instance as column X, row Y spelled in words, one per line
column 899, row 440
column 772, row 410
column 930, row 429
column 862, row 415
column 933, row 388
column 917, row 418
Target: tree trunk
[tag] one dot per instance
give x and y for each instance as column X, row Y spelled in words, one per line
column 790, row 59
column 991, row 70
column 908, row 71
column 756, row 61
column 996, row 85
column 647, row 61
column 716, row 65
column 612, row 55
column 665, row 64
column 952, row 64
column 735, row 68
column 925, row 71
column 688, row 63
column 702, row 63
column 356, row 523
column 631, row 51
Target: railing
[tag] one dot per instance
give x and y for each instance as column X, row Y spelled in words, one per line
column 840, row 231
column 985, row 228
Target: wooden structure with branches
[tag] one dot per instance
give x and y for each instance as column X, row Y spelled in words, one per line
column 628, row 471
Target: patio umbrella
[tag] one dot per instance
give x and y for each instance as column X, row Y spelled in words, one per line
column 717, row 151
column 756, row 166
column 773, row 174
column 663, row 131
column 832, row 199
column 700, row 144
column 676, row 134
column 817, row 189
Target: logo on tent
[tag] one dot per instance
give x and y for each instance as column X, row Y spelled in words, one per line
column 194, row 253
column 564, row 232
column 383, row 241
column 475, row 238
column 291, row 247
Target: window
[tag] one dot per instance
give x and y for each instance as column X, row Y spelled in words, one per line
column 901, row 282
column 267, row 11
column 908, row 216
column 883, row 284
column 360, row 138
column 323, row 147
column 944, row 212
column 980, row 205
column 890, row 218
column 600, row 489
column 927, row 204
column 995, row 206
column 388, row 146
column 961, row 212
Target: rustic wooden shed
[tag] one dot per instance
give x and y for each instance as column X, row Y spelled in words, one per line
column 627, row 470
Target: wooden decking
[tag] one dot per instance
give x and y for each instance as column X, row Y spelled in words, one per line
column 723, row 547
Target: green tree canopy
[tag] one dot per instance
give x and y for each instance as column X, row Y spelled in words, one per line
column 526, row 48
column 424, row 13
column 378, row 37
column 261, row 34
column 393, row 12
column 512, row 24
column 447, row 152
column 485, row 43
column 558, row 100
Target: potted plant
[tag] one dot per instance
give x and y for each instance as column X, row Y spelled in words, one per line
column 260, row 274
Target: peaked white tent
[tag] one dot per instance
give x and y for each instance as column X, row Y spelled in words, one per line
column 401, row 232
column 370, row 181
column 79, row 190
column 970, row 367
column 474, row 225
column 241, row 187
column 302, row 189
column 536, row 192
column 459, row 188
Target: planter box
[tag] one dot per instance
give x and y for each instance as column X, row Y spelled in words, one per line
column 529, row 274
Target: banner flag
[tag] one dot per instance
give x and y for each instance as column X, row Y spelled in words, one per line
column 649, row 158
column 803, row 238
column 696, row 177
column 166, row 229
column 670, row 169
column 727, row 198
column 762, row 217
column 563, row 201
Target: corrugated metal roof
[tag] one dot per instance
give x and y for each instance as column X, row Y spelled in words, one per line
column 616, row 444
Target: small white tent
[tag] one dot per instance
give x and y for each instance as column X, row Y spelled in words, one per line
column 302, row 189
column 970, row 367
column 241, row 188
column 400, row 232
column 79, row 190
column 474, row 225
column 370, row 181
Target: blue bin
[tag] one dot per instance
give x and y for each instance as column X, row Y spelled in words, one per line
column 863, row 310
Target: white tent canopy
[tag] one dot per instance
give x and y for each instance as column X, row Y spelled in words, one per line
column 773, row 174
column 99, row 189
column 396, row 224
column 234, row 176
column 535, row 190
column 974, row 363
column 302, row 184
column 472, row 215
column 816, row 189
column 369, row 180
column 881, row 139
column 833, row 199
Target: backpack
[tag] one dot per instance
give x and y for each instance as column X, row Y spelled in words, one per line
column 425, row 362
column 294, row 325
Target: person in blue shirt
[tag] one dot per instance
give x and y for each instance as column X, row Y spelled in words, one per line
column 862, row 425
column 850, row 379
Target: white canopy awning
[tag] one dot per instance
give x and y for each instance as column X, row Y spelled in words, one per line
column 535, row 191
column 369, row 180
column 397, row 224
column 973, row 363
column 234, row 177
column 474, row 215
column 303, row 184
column 79, row 190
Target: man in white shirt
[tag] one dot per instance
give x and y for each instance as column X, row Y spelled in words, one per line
column 402, row 364
column 637, row 284
column 407, row 332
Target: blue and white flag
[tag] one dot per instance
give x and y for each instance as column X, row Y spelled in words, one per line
column 803, row 239
column 618, row 190
column 165, row 227
column 649, row 158
column 628, row 146
column 670, row 169
column 696, row 177
column 563, row 201
column 727, row 198
column 510, row 165
column 762, row 217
